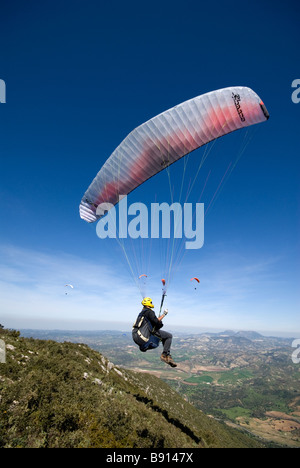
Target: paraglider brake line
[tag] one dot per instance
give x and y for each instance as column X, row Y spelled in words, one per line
column 162, row 301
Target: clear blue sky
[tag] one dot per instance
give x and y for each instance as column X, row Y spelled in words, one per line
column 80, row 75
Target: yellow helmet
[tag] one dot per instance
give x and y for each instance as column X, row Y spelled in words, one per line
column 147, row 302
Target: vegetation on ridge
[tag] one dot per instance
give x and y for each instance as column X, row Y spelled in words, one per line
column 68, row 395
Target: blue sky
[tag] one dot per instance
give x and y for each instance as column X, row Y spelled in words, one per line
column 79, row 77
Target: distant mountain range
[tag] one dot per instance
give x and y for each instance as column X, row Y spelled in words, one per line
column 251, row 335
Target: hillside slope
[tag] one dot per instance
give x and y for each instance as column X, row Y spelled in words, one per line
column 68, row 395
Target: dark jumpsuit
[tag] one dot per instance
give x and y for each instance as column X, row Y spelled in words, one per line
column 166, row 337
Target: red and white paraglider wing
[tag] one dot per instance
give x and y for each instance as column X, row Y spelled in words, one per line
column 166, row 138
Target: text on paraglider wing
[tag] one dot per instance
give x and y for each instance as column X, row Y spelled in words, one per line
column 187, row 222
column 237, row 102
column 296, row 93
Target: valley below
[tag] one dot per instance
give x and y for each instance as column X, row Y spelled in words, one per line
column 244, row 379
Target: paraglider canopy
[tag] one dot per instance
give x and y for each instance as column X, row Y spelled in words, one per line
column 195, row 279
column 158, row 143
column 70, row 286
column 167, row 137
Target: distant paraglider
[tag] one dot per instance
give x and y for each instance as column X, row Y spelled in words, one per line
column 143, row 279
column 195, row 279
column 68, row 286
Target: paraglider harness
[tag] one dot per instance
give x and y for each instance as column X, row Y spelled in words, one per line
column 143, row 333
